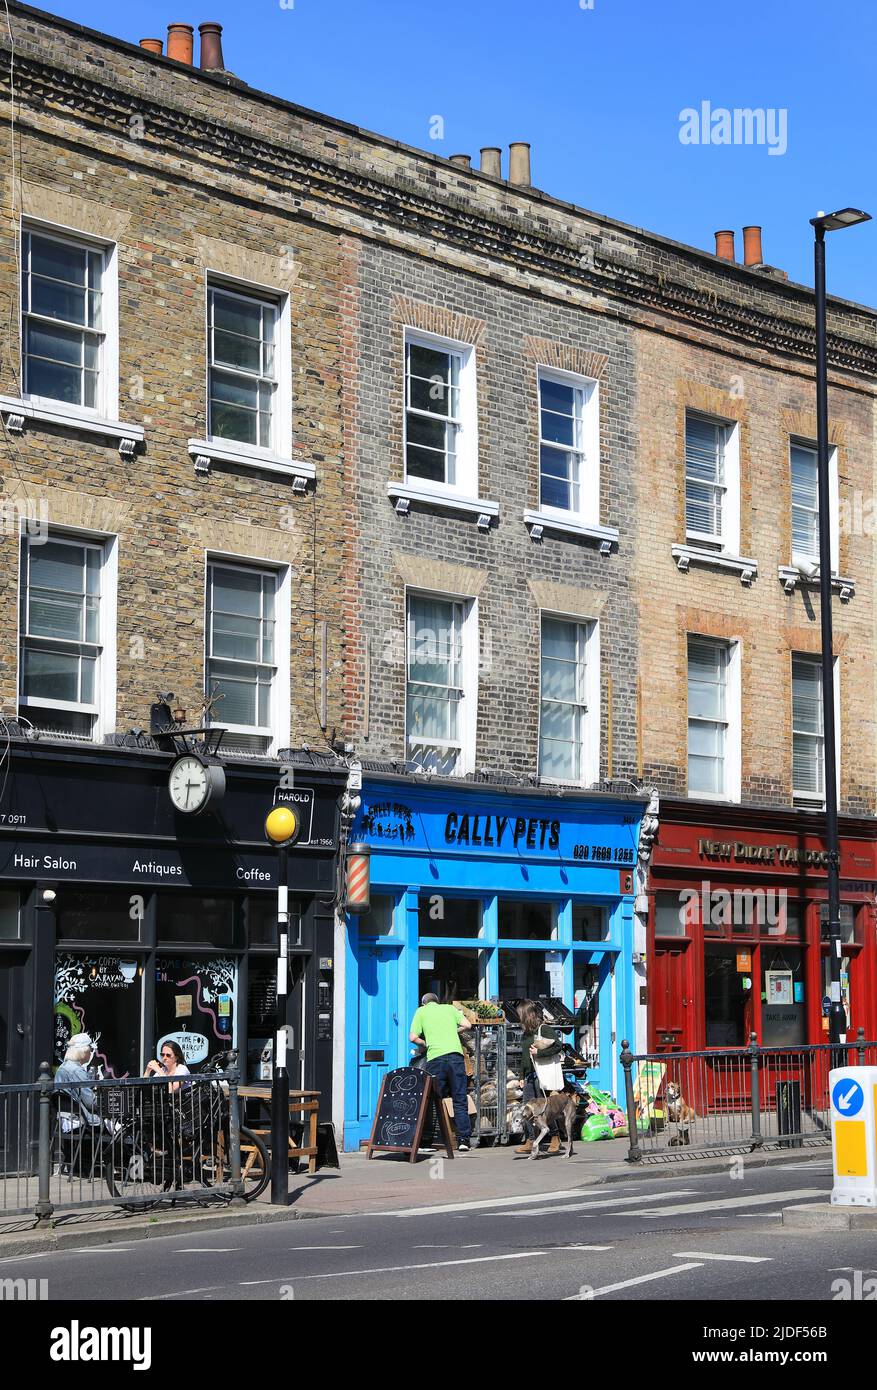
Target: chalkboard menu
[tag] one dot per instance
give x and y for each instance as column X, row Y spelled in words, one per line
column 406, row 1101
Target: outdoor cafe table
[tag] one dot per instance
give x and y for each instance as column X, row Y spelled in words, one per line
column 304, row 1103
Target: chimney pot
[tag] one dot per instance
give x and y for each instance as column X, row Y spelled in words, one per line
column 211, row 47
column 752, row 254
column 180, row 43
column 463, row 161
column 152, row 45
column 725, row 246
column 519, row 163
column 491, row 161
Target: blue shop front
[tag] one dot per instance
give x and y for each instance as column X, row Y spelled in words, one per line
column 479, row 892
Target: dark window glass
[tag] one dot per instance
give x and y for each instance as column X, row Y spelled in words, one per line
column 378, row 921
column 448, row 972
column 781, row 918
column 526, row 921
column 441, row 916
column 589, row 923
column 262, row 920
column 848, row 934
column 10, row 917
column 99, row 916
column 522, row 975
column 672, row 915
column 261, row 1003
column 185, row 917
column 194, row 1005
column 100, row 995
column 727, row 997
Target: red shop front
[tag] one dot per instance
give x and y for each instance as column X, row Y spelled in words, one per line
column 738, row 932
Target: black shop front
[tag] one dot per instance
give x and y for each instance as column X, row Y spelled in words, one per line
column 123, row 918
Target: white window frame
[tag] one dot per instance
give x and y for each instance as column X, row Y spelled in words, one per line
column 277, row 732
column 106, row 405
column 104, row 708
column 727, row 541
column 589, row 633
column 803, row 798
column 588, row 511
column 468, row 708
column 800, row 558
column 236, row 450
column 466, row 481
column 733, row 719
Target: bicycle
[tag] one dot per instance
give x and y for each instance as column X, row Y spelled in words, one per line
column 164, row 1140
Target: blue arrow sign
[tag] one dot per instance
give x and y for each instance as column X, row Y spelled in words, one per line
column 847, row 1097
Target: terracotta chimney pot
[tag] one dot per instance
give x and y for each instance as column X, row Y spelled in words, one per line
column 752, row 254
column 180, row 43
column 152, row 45
column 211, row 47
column 725, row 246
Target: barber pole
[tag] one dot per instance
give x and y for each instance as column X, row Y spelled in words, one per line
column 358, row 878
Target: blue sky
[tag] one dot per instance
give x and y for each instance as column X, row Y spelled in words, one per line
column 597, row 91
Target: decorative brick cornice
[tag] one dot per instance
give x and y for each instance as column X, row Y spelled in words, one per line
column 548, row 353
column 432, row 318
column 401, row 203
column 802, row 425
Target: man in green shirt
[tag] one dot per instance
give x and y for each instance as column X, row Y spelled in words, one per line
column 439, row 1026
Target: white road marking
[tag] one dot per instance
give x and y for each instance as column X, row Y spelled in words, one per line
column 734, row 1259
column 584, row 1207
column 324, row 1247
column 758, row 1199
column 17, row 1259
column 209, row 1249
column 395, row 1269
column 446, row 1247
column 480, row 1205
column 180, row 1293
column 629, row 1283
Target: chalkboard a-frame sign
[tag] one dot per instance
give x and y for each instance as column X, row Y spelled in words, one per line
column 407, row 1097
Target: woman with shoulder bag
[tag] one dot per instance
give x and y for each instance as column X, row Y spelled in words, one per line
column 541, row 1065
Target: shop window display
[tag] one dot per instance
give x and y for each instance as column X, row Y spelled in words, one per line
column 586, row 980
column 195, row 1004
column 521, row 920
column 848, row 933
column 100, row 995
column 441, row 916
column 844, row 987
column 783, row 1001
column 10, row 917
column 450, row 973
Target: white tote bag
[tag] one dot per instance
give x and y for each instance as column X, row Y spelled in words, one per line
column 549, row 1072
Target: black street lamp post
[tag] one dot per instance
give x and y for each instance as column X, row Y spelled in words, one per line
column 282, row 829
column 822, row 223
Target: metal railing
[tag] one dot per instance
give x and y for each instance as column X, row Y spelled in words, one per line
column 68, row 1145
column 723, row 1100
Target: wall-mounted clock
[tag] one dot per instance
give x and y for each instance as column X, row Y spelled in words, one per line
column 193, row 783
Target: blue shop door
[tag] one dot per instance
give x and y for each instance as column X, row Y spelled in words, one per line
column 378, row 1034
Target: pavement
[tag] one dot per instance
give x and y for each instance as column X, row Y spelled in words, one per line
column 688, row 1235
column 387, row 1183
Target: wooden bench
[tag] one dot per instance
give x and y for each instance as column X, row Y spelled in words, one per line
column 304, row 1103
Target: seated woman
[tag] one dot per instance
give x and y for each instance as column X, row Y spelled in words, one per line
column 171, row 1064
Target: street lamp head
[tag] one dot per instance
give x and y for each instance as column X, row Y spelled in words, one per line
column 282, row 826
column 844, row 217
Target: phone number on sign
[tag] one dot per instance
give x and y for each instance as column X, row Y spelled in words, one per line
column 603, row 854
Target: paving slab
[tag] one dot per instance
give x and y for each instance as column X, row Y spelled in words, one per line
column 822, row 1216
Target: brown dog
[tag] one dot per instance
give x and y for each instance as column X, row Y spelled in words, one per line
column 547, row 1110
column 680, row 1114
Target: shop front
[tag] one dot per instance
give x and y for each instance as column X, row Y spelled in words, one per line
column 738, row 929
column 479, row 893
column 123, row 918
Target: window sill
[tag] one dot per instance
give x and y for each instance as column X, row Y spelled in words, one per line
column 408, row 492
column 791, row 579
column 537, row 522
column 209, row 451
column 686, row 555
column 16, row 412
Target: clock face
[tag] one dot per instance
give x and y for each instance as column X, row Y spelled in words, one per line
column 189, row 785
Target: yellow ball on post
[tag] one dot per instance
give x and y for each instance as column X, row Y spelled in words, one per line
column 282, row 825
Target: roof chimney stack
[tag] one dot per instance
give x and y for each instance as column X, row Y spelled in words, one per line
column 725, row 246
column 152, row 45
column 491, row 161
column 462, row 161
column 752, row 255
column 519, row 163
column 211, row 47
column 180, row 43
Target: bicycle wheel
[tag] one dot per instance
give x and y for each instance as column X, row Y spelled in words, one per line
column 141, row 1175
column 255, row 1165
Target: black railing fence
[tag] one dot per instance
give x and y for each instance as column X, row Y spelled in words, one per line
column 688, row 1104
column 128, row 1143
